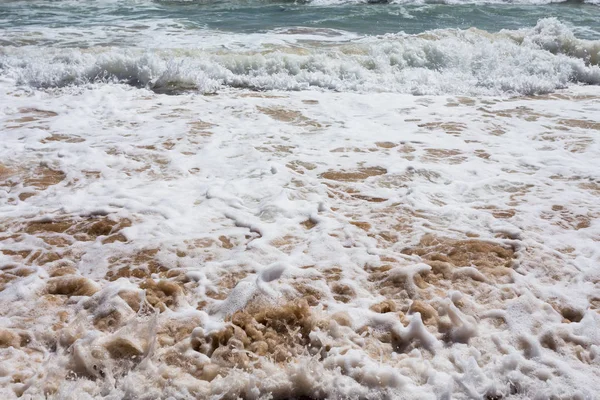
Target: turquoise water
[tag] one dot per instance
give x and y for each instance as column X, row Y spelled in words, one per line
column 260, row 16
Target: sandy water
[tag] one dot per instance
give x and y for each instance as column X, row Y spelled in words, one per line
column 291, row 208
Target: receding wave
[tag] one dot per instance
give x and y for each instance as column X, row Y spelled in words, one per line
column 527, row 61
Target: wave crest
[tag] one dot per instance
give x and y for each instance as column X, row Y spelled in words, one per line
column 527, row 61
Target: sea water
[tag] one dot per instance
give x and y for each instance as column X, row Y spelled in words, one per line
column 322, row 199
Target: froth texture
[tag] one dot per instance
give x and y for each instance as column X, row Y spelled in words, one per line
column 470, row 62
column 298, row 245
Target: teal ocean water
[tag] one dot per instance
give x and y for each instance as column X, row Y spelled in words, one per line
column 361, row 17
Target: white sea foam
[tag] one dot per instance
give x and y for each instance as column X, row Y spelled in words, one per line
column 528, row 61
column 252, row 199
column 330, row 236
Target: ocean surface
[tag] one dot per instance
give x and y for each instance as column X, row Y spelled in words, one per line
column 458, row 48
column 319, row 199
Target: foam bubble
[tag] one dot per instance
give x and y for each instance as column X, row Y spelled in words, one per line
column 321, row 244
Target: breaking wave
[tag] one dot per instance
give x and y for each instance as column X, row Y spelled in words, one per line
column 527, row 61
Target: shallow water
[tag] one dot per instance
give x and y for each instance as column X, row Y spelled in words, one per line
column 318, row 200
column 471, row 48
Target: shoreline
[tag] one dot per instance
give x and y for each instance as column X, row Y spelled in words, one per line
column 327, row 245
